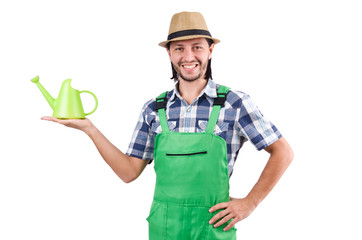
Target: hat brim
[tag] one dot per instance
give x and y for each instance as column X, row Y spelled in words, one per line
column 164, row 43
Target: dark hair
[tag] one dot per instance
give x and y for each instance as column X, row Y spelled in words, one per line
column 208, row 73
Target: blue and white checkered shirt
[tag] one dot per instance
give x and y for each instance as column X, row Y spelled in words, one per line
column 239, row 121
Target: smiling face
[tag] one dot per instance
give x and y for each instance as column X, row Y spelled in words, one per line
column 190, row 58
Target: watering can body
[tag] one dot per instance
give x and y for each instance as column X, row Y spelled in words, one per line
column 68, row 104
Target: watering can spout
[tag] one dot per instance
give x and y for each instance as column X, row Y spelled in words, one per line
column 46, row 94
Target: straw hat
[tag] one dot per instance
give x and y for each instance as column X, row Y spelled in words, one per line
column 187, row 25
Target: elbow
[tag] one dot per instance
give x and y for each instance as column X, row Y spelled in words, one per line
column 132, row 171
column 289, row 155
column 126, row 176
column 128, row 179
column 127, row 173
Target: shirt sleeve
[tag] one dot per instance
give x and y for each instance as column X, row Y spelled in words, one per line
column 254, row 126
column 142, row 142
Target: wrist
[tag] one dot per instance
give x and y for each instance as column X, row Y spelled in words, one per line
column 90, row 129
column 253, row 200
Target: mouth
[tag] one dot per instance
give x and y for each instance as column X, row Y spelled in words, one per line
column 189, row 67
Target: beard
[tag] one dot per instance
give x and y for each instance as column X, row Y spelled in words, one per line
column 190, row 78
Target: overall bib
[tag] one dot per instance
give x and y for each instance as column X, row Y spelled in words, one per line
column 191, row 177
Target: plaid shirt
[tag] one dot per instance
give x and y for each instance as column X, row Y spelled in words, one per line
column 239, row 121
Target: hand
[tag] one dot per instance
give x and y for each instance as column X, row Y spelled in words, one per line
column 80, row 124
column 236, row 209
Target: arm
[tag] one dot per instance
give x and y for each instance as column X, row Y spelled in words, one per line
column 281, row 156
column 127, row 168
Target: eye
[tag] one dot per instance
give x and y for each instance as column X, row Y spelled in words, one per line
column 197, row 47
column 178, row 49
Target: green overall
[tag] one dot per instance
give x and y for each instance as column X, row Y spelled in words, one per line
column 191, row 177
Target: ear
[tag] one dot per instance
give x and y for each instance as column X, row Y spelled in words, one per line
column 211, row 49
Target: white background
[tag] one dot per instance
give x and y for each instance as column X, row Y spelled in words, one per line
column 299, row 60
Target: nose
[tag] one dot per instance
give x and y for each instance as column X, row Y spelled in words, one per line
column 189, row 55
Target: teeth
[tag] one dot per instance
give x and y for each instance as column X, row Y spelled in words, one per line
column 190, row 66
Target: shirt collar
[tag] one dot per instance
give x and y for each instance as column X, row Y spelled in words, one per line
column 210, row 90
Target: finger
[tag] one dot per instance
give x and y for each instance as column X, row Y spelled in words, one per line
column 231, row 224
column 218, row 206
column 48, row 118
column 223, row 221
column 218, row 216
column 53, row 119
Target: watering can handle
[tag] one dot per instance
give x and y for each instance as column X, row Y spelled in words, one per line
column 95, row 98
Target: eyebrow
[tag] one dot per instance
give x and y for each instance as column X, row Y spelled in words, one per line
column 181, row 45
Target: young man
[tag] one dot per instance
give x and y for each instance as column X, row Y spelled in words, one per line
column 194, row 133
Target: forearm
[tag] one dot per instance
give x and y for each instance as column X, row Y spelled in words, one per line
column 278, row 162
column 123, row 165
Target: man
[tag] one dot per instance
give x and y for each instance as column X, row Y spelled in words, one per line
column 194, row 133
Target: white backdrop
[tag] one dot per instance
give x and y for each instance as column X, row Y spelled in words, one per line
column 299, row 60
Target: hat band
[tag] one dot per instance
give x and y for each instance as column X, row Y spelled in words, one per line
column 188, row 33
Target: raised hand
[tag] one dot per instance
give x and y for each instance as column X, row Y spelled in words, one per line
column 81, row 124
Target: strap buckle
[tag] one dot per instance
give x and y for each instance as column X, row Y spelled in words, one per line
column 220, row 100
column 161, row 103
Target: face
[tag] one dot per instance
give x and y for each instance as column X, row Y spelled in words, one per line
column 190, row 58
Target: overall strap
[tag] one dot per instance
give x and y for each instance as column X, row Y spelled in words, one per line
column 218, row 104
column 161, row 102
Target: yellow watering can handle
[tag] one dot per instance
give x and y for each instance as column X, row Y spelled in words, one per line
column 95, row 98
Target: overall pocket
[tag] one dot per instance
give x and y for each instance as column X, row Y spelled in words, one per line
column 186, row 154
column 157, row 221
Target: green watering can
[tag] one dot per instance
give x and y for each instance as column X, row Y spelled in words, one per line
column 68, row 104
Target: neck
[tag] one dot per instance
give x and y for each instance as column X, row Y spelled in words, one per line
column 191, row 90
